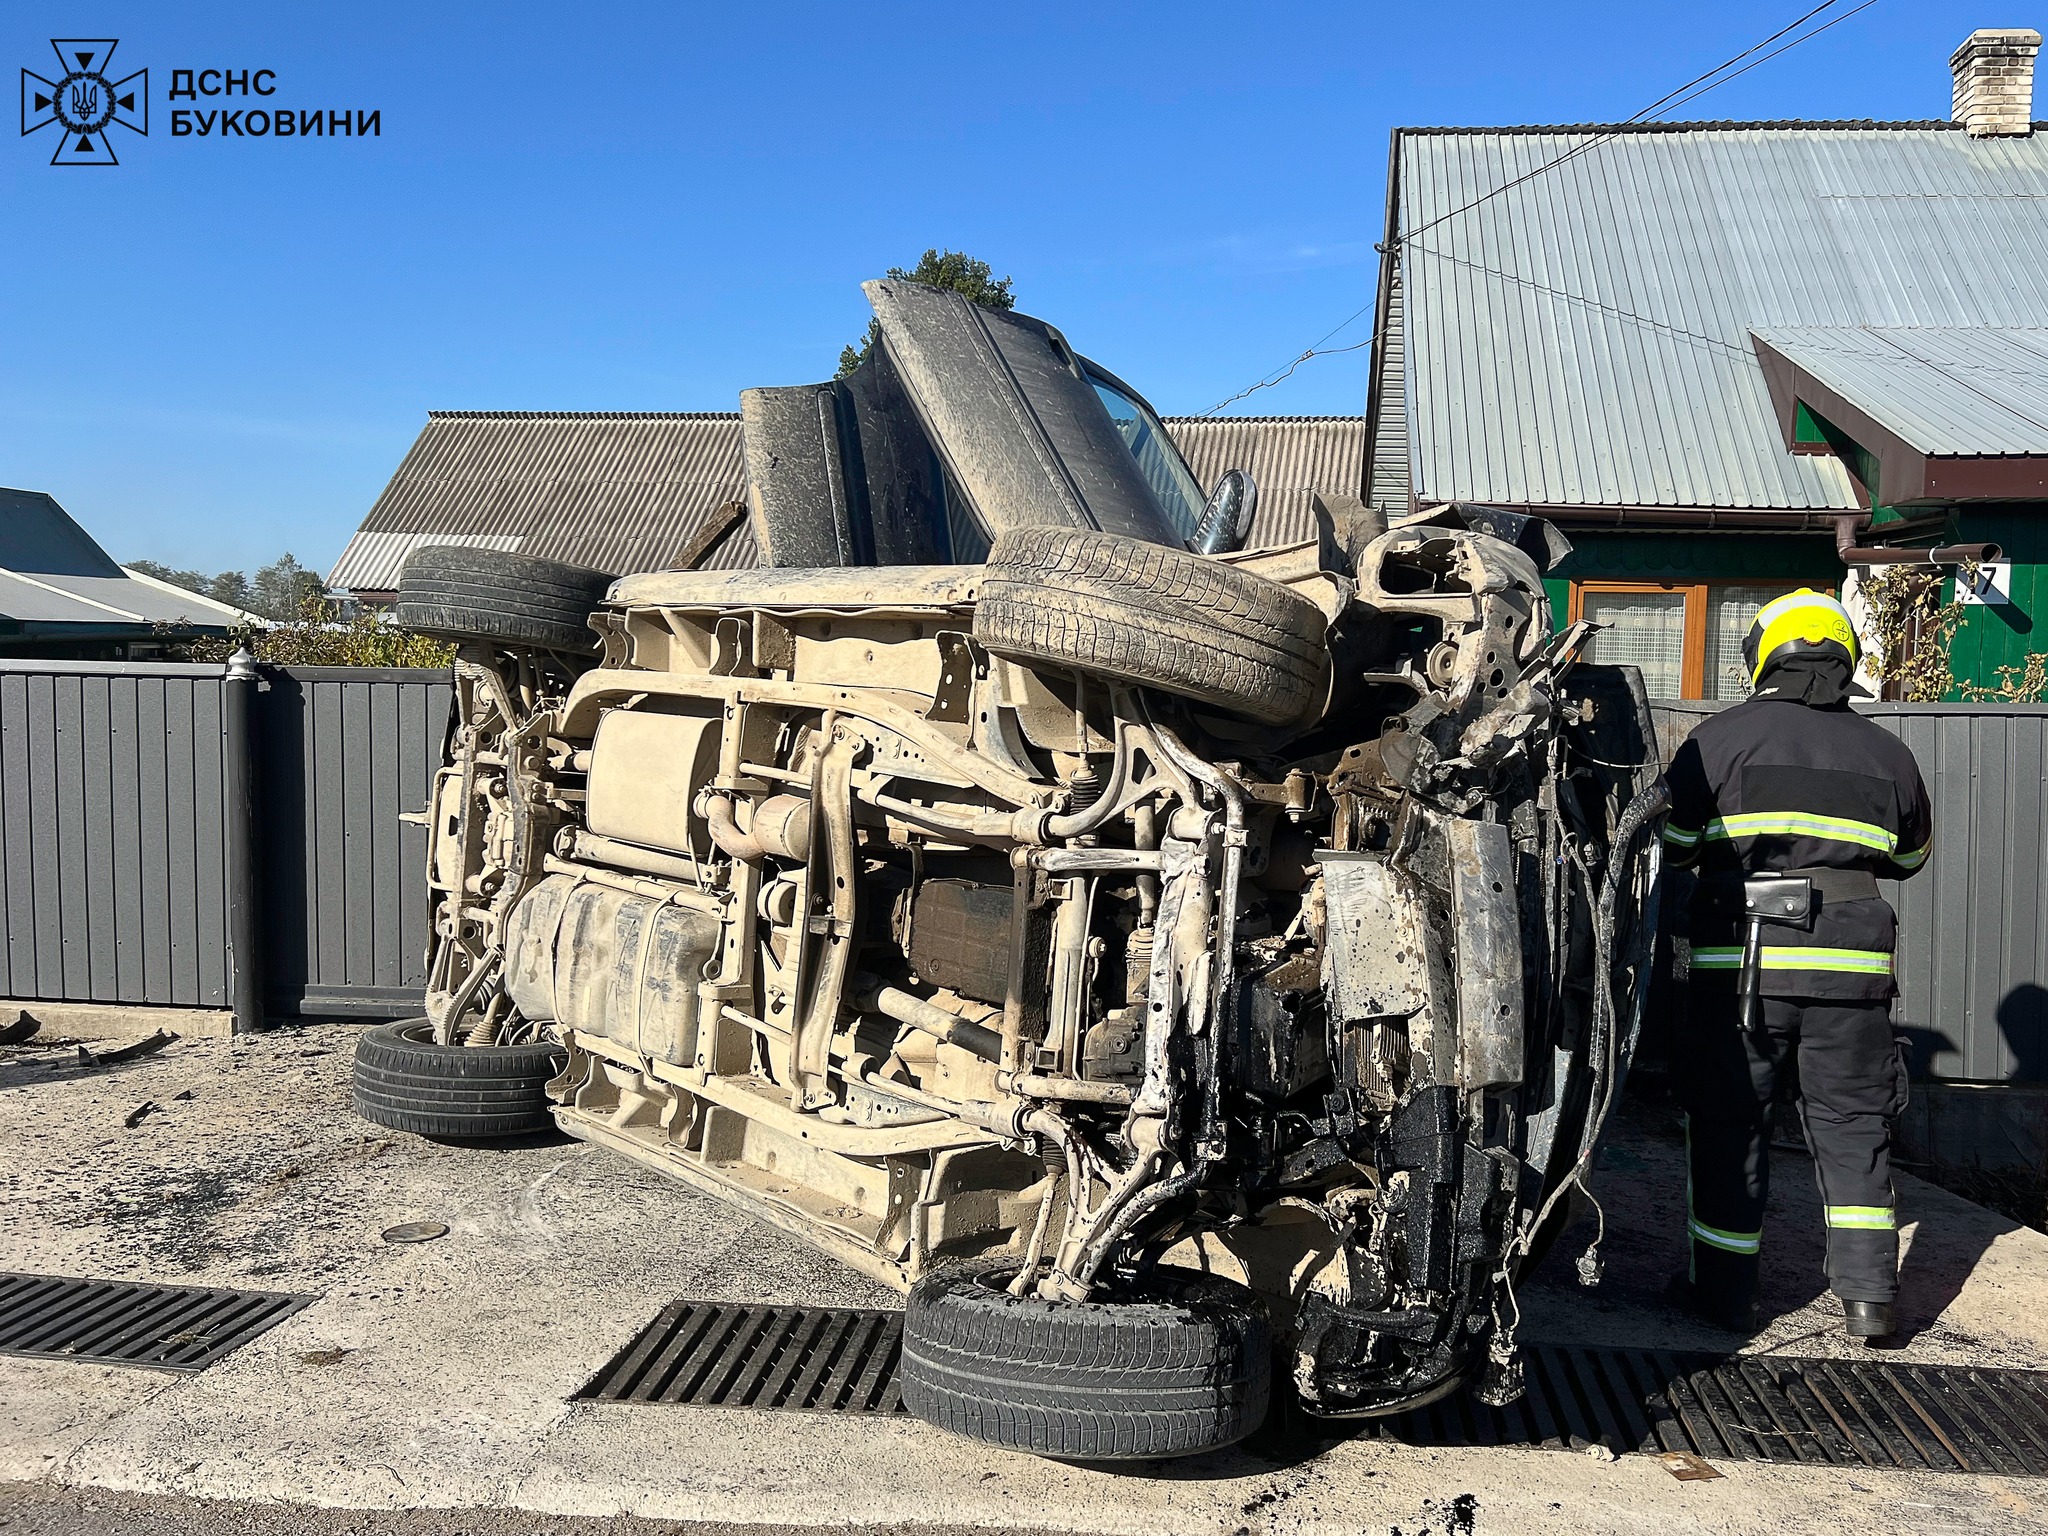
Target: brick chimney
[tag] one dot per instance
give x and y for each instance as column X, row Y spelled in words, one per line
column 1994, row 72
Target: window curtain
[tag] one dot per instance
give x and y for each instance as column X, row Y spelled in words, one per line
column 1648, row 631
column 1730, row 612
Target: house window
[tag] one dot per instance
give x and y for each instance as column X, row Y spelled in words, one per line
column 1685, row 635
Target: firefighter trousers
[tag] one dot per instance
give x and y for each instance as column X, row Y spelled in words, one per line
column 1840, row 1063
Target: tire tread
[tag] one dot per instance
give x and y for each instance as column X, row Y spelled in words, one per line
column 405, row 1082
column 1155, row 616
column 1184, row 1373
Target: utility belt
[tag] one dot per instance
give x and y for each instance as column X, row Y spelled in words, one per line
column 1789, row 898
column 1827, row 884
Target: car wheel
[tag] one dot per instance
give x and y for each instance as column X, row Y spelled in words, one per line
column 492, row 597
column 1164, row 618
column 1184, row 1365
column 404, row 1080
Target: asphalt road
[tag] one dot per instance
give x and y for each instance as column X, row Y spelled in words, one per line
column 45, row 1509
column 434, row 1387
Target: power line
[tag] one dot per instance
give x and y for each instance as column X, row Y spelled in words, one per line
column 1670, row 99
column 1616, row 311
column 1803, row 38
column 1692, row 90
column 1287, row 368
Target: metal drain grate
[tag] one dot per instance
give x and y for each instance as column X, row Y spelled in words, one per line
column 1871, row 1412
column 1855, row 1413
column 710, row 1354
column 116, row 1322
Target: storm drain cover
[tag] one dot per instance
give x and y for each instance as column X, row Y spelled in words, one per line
column 116, row 1322
column 1870, row 1412
column 710, row 1354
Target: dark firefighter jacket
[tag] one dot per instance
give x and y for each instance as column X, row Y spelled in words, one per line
column 1794, row 779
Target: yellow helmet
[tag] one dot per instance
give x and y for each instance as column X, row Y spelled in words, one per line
column 1805, row 622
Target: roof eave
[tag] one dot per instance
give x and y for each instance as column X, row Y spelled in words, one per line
column 1907, row 474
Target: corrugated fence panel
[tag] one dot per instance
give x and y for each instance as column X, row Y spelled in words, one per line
column 112, row 849
column 345, row 751
column 110, row 825
column 1973, row 925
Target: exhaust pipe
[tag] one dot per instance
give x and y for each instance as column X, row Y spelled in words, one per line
column 1847, row 528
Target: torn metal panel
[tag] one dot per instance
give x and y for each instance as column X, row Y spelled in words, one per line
column 1487, row 913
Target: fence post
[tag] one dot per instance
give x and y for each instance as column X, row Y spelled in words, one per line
column 245, row 911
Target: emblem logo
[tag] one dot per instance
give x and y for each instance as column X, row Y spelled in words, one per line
column 83, row 103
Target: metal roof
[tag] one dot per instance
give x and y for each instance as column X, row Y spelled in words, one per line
column 127, row 598
column 1582, row 338
column 614, row 490
column 54, row 573
column 36, row 534
column 1944, row 390
column 625, row 492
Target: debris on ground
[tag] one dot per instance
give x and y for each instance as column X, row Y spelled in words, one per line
column 19, row 1028
column 135, row 1116
column 415, row 1231
column 147, row 1046
column 1688, row 1468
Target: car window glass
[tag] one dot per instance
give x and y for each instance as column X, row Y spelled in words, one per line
column 1158, row 460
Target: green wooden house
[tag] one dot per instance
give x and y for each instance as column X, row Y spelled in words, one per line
column 1719, row 353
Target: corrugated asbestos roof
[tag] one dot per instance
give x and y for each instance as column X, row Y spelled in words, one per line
column 614, row 490
column 1583, row 339
column 1290, row 458
column 1969, row 391
column 625, row 492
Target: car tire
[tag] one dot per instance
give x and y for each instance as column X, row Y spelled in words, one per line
column 1163, row 618
column 1182, row 1367
column 404, row 1081
column 492, row 597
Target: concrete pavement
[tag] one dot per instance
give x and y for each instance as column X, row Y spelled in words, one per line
column 439, row 1376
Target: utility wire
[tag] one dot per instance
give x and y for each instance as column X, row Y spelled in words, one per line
column 1314, row 350
column 1698, row 86
column 1694, row 88
column 1802, row 38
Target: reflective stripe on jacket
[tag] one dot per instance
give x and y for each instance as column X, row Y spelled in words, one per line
column 1776, row 784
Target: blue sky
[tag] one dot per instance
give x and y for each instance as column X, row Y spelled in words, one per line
column 219, row 350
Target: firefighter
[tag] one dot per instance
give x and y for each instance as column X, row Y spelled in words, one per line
column 1791, row 807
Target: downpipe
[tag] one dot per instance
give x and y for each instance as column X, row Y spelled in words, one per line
column 1847, row 528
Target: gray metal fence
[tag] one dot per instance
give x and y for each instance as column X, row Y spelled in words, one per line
column 117, row 831
column 1973, row 924
column 113, row 832
column 119, row 826
column 342, row 752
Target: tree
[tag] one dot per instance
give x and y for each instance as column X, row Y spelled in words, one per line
column 281, row 589
column 232, row 588
column 954, row 270
column 191, row 581
column 278, row 591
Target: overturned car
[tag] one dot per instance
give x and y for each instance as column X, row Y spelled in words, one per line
column 1173, row 966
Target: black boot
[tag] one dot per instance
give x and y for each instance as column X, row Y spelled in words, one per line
column 1733, row 1309
column 1868, row 1319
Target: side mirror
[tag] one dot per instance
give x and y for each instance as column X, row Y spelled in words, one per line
column 1227, row 519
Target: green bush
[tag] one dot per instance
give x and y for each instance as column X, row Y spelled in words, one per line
column 321, row 637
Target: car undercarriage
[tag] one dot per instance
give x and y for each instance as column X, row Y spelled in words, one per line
column 1093, row 927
